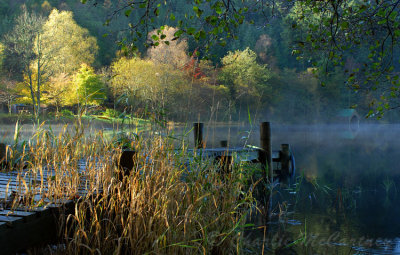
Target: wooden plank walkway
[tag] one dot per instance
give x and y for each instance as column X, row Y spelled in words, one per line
column 247, row 153
column 22, row 227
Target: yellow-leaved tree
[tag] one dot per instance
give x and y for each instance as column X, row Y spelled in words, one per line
column 39, row 49
column 135, row 80
column 60, row 91
column 144, row 84
column 68, row 44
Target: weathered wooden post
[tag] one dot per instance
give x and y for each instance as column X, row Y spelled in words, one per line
column 265, row 158
column 224, row 143
column 265, row 154
column 126, row 163
column 3, row 152
column 284, row 156
column 3, row 155
column 198, row 134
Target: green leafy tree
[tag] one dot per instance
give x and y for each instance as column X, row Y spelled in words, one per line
column 89, row 88
column 366, row 32
column 246, row 80
column 218, row 20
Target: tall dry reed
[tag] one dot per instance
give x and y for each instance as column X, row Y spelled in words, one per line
column 168, row 204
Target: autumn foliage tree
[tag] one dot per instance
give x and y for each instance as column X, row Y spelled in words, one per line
column 67, row 44
column 59, row 91
column 166, row 48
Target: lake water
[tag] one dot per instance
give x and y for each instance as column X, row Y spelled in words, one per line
column 345, row 198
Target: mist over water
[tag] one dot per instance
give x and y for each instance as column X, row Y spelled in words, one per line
column 349, row 191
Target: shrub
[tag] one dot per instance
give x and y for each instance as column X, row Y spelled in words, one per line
column 111, row 113
column 67, row 113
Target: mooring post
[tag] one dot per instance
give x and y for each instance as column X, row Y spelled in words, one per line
column 198, row 134
column 224, row 143
column 3, row 150
column 285, row 158
column 265, row 158
column 265, row 154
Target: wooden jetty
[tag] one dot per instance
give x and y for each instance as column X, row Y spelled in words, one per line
column 281, row 161
column 22, row 227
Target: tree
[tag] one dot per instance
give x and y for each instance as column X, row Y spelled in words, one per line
column 166, row 50
column 24, row 54
column 68, row 44
column 8, row 92
column 136, row 80
column 209, row 22
column 59, row 90
column 89, row 88
column 246, row 80
column 367, row 32
column 145, row 84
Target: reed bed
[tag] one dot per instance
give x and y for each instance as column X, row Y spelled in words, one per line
column 168, row 204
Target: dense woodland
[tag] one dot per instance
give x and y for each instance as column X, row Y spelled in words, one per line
column 69, row 56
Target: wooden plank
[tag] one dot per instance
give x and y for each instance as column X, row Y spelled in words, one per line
column 40, row 225
column 39, row 211
column 11, row 221
column 40, row 230
column 25, row 178
column 25, row 215
column 20, row 190
column 20, row 183
column 61, row 203
column 16, row 175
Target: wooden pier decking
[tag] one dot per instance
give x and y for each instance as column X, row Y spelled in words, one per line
column 22, row 227
column 284, row 160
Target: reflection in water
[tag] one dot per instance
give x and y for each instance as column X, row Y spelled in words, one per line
column 348, row 195
column 397, row 247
